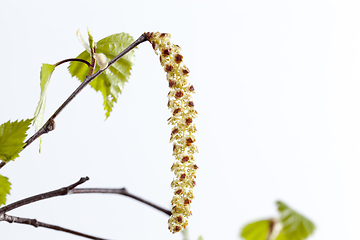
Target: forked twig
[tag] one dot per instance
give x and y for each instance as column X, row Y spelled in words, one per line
column 59, row 192
column 71, row 189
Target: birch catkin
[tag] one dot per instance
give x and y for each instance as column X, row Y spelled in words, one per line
column 183, row 113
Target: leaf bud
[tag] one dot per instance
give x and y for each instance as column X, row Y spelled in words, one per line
column 101, row 60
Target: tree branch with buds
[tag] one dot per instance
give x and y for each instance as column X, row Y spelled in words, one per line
column 71, row 189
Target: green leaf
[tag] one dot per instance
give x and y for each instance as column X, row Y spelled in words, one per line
column 111, row 82
column 282, row 236
column 91, row 40
column 4, row 189
column 45, row 75
column 12, row 136
column 295, row 226
column 256, row 230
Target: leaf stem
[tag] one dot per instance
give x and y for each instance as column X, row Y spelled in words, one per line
column 272, row 223
column 72, row 60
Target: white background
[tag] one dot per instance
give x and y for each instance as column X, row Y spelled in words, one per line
column 278, row 96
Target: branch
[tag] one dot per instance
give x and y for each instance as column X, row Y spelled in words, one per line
column 36, row 223
column 2, row 164
column 50, row 124
column 120, row 191
column 71, row 189
column 42, row 196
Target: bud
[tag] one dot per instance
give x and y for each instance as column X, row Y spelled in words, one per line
column 101, row 60
column 82, row 41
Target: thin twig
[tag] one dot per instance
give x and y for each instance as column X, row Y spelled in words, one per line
column 121, row 191
column 49, row 125
column 72, row 60
column 36, row 223
column 42, row 196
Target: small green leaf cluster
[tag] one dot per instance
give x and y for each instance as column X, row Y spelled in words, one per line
column 111, row 82
column 290, row 226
